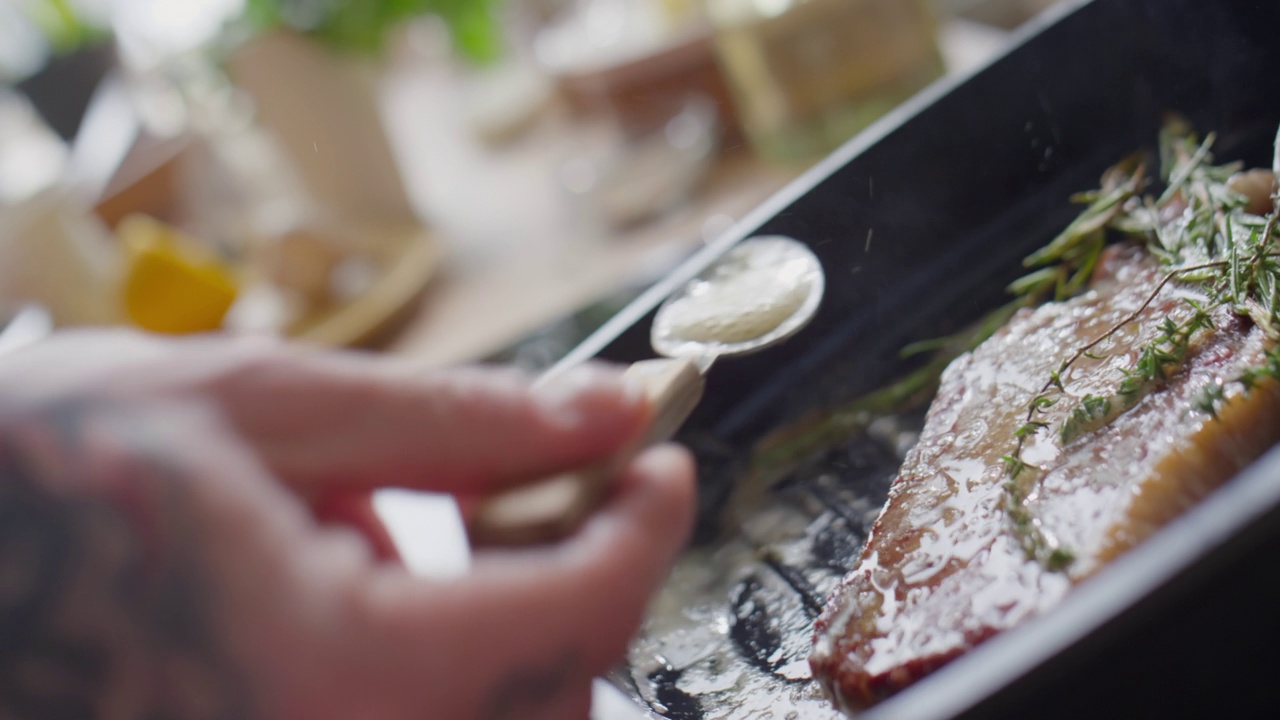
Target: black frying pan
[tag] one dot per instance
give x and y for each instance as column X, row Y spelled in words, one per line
column 956, row 188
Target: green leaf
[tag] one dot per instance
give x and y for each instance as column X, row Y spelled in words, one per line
column 1037, row 283
column 1091, row 413
column 1043, row 402
column 1093, row 219
column 63, row 26
column 1176, row 131
column 1013, row 466
column 364, row 26
column 1088, row 261
column 925, row 346
column 1029, row 429
column 476, row 34
column 1059, row 559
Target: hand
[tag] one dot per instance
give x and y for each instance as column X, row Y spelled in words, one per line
column 204, row 454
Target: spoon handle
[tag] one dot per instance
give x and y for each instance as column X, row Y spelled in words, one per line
column 551, row 509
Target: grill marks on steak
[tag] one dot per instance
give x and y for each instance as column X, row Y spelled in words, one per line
column 942, row 570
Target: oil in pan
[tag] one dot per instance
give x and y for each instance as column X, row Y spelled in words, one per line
column 729, row 635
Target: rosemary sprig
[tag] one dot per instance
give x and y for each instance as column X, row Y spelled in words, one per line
column 781, row 451
column 1073, row 255
column 1213, row 245
column 1197, row 228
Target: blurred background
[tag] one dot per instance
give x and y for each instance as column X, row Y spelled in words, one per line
column 457, row 180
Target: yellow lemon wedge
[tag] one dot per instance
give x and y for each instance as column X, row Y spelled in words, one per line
column 172, row 284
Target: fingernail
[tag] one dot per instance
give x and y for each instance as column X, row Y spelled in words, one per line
column 575, row 396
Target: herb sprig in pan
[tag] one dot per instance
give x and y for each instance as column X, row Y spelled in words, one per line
column 1213, row 244
column 1211, row 232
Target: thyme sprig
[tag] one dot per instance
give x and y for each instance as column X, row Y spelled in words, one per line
column 1211, row 399
column 1089, row 413
column 1213, row 245
column 1157, row 360
column 1197, row 228
column 1160, row 353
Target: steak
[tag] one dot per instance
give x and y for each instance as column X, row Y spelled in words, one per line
column 945, row 568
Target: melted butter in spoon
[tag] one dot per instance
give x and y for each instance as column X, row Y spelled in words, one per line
column 758, row 289
column 745, row 305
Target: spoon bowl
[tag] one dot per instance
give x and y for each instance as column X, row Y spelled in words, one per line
column 761, row 292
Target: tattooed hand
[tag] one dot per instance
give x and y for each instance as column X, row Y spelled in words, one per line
column 158, row 558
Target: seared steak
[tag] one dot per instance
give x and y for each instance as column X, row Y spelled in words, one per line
column 944, row 568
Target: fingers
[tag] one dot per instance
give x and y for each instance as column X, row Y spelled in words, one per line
column 322, row 419
column 326, row 420
column 574, row 606
column 325, row 633
column 599, row 582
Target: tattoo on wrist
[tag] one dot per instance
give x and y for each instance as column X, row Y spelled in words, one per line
column 105, row 610
column 528, row 689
